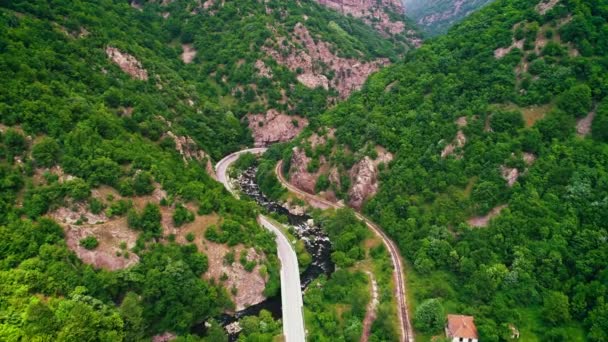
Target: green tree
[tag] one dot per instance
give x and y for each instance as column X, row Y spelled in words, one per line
column 576, row 101
column 429, row 316
column 556, row 308
column 131, row 312
column 46, row 152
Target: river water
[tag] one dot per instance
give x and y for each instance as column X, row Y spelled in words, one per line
column 316, row 242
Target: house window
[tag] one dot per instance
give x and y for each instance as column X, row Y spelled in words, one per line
column 461, row 339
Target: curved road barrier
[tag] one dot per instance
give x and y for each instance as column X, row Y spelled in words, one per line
column 407, row 333
column 291, row 292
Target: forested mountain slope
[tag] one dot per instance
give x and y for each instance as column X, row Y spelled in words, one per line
column 487, row 150
column 437, row 16
column 110, row 115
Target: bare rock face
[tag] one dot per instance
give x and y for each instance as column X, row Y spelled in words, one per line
column 189, row 150
column 373, row 12
column 509, row 174
column 300, row 177
column 78, row 223
column 188, row 53
column 350, row 74
column 263, row 70
column 274, row 127
column 483, row 221
column 583, row 126
column 127, row 63
column 545, row 6
column 458, row 142
column 364, row 179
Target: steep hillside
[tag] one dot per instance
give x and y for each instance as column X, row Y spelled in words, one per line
column 437, row 16
column 386, row 16
column 484, row 156
column 111, row 113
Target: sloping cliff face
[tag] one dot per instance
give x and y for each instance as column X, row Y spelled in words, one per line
column 373, row 12
column 315, row 61
column 437, row 16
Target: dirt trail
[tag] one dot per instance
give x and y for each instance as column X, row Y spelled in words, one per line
column 370, row 315
column 407, row 333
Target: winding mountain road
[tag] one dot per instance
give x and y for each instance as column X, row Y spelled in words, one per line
column 291, row 292
column 407, row 333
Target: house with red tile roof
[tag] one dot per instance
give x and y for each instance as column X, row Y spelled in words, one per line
column 461, row 329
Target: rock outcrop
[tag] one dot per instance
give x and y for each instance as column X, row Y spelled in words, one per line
column 373, row 12
column 188, row 53
column 313, row 60
column 273, row 127
column 459, row 141
column 189, row 150
column 364, row 179
column 127, row 63
column 300, row 177
column 483, row 221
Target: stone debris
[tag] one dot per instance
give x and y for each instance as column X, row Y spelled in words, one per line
column 127, row 63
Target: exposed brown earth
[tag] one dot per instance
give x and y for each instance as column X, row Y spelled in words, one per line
column 273, row 127
column 127, row 63
column 188, row 53
column 315, row 60
column 483, row 221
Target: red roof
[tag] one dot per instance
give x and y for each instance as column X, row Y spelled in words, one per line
column 461, row 326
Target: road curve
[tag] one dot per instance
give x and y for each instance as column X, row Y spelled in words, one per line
column 407, row 333
column 291, row 292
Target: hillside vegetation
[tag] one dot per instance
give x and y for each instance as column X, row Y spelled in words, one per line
column 111, row 113
column 497, row 194
column 437, row 16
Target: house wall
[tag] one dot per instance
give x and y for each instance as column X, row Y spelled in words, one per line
column 457, row 339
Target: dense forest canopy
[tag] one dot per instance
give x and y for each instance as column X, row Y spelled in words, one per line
column 100, row 117
column 505, row 116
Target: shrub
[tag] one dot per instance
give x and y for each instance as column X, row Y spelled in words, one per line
column 429, row 316
column 90, row 242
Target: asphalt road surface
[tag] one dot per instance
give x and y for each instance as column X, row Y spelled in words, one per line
column 291, row 292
